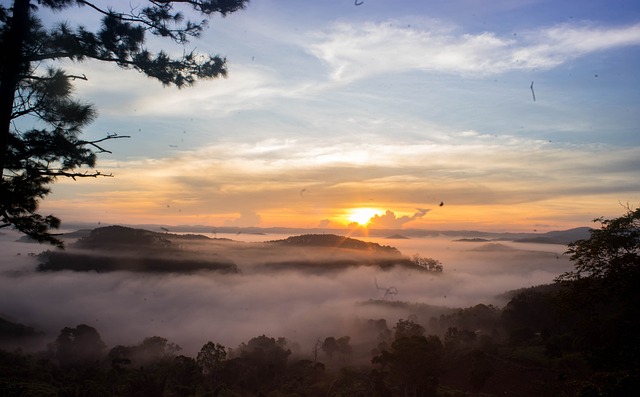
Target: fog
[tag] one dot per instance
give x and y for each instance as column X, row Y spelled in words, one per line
column 191, row 309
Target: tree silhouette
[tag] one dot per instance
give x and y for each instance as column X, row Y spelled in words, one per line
column 602, row 301
column 413, row 362
column 79, row 346
column 408, row 328
column 210, row 360
column 329, row 346
column 40, row 121
column 611, row 253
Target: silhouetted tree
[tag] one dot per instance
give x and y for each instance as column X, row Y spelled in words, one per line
column 406, row 328
column 261, row 363
column 611, row 253
column 183, row 376
column 79, row 346
column 210, row 360
column 155, row 348
column 429, row 264
column 40, row 121
column 529, row 312
column 602, row 300
column 344, row 348
column 329, row 346
column 412, row 365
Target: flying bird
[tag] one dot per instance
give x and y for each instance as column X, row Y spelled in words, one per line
column 358, row 4
column 441, row 203
column 533, row 92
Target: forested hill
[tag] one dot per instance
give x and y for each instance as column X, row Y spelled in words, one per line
column 335, row 241
column 122, row 237
column 120, row 248
column 111, row 236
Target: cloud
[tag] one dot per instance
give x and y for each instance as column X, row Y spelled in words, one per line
column 329, row 224
column 246, row 219
column 390, row 221
column 493, row 174
column 355, row 52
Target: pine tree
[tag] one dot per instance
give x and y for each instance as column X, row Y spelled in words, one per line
column 31, row 158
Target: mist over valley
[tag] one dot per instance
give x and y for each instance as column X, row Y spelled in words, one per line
column 130, row 283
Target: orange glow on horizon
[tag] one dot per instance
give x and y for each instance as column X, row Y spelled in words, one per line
column 125, row 207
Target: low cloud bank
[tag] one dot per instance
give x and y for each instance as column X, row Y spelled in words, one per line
column 191, row 309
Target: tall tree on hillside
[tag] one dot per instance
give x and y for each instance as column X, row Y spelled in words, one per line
column 611, row 253
column 602, row 301
column 41, row 121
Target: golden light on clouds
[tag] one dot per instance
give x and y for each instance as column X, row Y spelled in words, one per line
column 362, row 216
column 269, row 184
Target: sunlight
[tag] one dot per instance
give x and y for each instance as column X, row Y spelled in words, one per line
column 362, row 216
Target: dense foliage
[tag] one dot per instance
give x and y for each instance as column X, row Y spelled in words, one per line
column 602, row 298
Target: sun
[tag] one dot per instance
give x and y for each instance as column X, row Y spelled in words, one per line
column 361, row 216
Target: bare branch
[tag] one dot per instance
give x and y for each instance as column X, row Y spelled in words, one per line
column 74, row 175
column 100, row 148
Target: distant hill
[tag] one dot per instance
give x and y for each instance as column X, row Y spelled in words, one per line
column 120, row 248
column 335, row 241
column 123, row 237
column 397, row 237
column 493, row 247
column 555, row 237
column 558, row 237
column 472, row 240
column 12, row 333
column 317, row 253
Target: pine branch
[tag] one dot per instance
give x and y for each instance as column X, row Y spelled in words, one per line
column 158, row 27
column 42, row 78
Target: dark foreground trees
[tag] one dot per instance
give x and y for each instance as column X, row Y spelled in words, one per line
column 611, row 253
column 577, row 337
column 41, row 121
column 601, row 298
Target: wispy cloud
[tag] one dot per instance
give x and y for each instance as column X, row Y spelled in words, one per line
column 355, row 52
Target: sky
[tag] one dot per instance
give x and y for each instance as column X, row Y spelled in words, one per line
column 514, row 115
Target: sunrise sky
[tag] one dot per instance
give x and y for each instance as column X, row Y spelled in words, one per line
column 394, row 106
